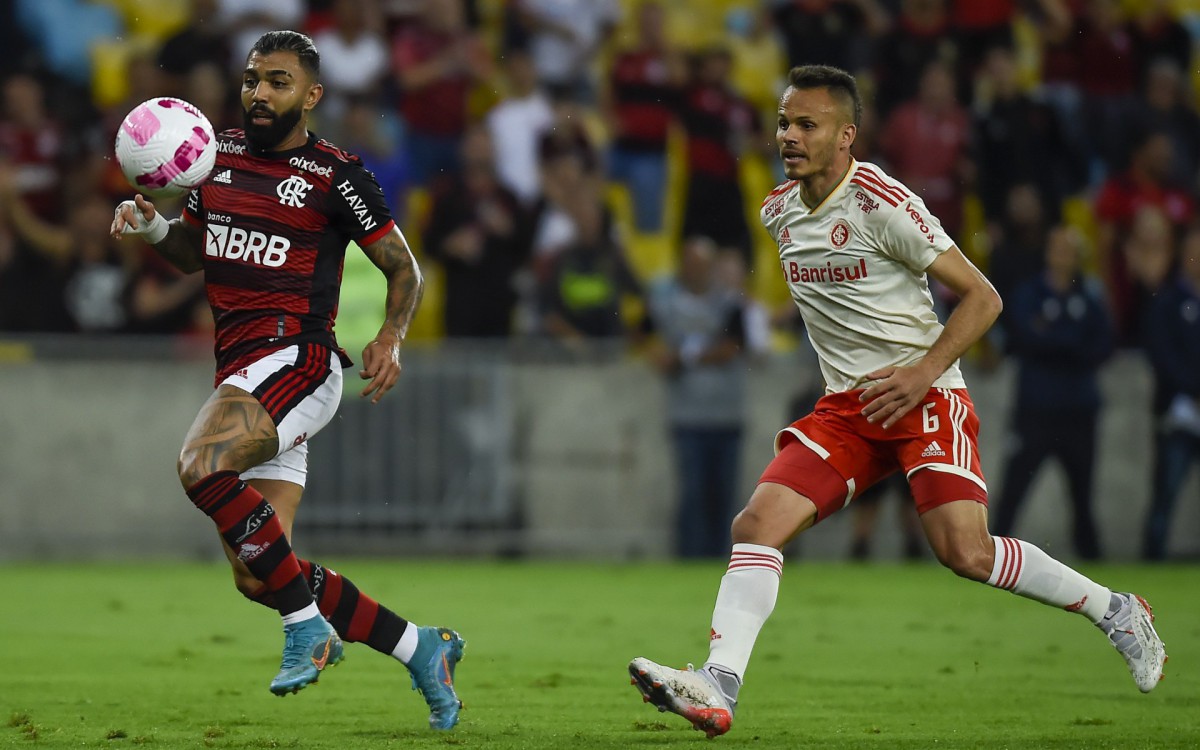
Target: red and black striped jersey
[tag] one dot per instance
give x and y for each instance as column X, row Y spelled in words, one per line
column 276, row 225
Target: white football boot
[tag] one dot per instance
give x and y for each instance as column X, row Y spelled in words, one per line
column 1130, row 628
column 692, row 694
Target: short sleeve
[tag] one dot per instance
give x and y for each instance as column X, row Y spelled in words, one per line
column 914, row 236
column 358, row 204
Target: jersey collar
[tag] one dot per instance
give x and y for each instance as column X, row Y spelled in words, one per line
column 312, row 138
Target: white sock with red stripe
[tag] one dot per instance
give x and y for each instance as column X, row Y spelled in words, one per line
column 744, row 602
column 1026, row 570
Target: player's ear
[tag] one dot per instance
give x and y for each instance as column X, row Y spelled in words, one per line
column 849, row 131
column 315, row 92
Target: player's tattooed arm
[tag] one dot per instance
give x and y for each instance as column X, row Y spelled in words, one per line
column 405, row 286
column 182, row 246
column 178, row 242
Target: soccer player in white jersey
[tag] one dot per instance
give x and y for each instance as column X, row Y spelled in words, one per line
column 856, row 248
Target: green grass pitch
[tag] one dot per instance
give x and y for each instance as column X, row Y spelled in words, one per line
column 876, row 656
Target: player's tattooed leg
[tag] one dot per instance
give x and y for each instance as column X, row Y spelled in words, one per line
column 232, row 432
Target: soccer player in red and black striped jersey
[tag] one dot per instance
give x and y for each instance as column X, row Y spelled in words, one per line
column 269, row 228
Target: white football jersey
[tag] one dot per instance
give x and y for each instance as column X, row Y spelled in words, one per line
column 855, row 265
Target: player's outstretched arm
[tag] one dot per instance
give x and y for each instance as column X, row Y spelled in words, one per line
column 405, row 285
column 176, row 241
column 901, row 388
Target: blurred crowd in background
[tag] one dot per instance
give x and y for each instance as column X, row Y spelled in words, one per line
column 529, row 144
column 563, row 167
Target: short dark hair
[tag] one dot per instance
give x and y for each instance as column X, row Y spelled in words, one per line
column 838, row 81
column 291, row 41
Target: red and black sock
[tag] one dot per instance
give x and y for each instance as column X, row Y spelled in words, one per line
column 356, row 617
column 248, row 524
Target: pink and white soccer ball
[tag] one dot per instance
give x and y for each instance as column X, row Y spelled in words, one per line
column 166, row 147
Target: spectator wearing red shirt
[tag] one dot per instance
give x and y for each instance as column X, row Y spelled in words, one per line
column 925, row 142
column 437, row 59
column 32, row 142
column 641, row 101
column 721, row 126
column 1145, row 184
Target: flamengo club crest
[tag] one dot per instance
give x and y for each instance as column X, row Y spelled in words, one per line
column 292, row 191
column 840, row 234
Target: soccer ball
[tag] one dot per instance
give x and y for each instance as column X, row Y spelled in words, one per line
column 166, row 147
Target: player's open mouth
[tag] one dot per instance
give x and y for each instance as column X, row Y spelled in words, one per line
column 261, row 118
column 790, row 157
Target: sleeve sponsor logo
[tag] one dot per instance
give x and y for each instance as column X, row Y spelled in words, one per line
column 233, row 243
column 357, row 205
column 919, row 220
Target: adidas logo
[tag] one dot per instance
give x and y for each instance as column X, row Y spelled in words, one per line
column 225, row 177
column 785, row 236
column 933, row 449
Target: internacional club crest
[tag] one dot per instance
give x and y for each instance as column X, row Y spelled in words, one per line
column 840, row 234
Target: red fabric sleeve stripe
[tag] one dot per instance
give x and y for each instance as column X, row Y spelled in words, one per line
column 376, row 235
column 779, row 190
column 875, row 191
column 864, row 178
column 898, row 195
column 878, row 178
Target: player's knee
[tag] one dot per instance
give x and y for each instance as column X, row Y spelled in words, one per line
column 194, row 465
column 750, row 526
column 967, row 561
column 743, row 526
column 772, row 517
column 191, row 469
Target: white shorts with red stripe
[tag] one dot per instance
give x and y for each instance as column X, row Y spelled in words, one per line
column 300, row 386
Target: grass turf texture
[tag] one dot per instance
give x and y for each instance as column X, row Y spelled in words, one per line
column 170, row 656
